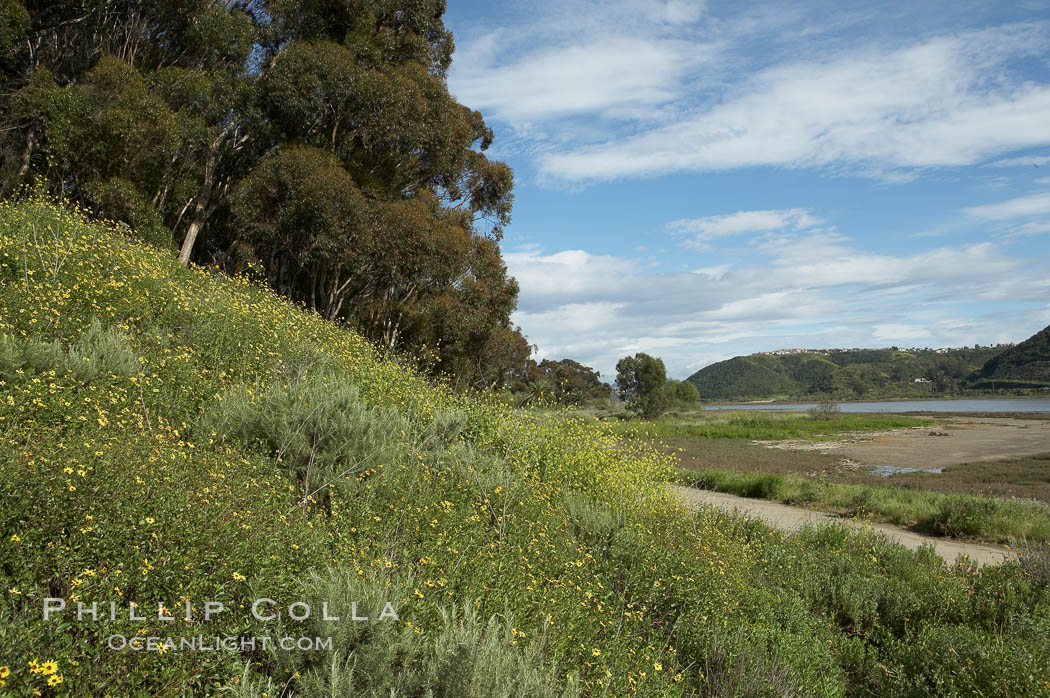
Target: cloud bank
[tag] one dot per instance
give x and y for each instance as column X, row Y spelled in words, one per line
column 674, row 91
column 817, row 289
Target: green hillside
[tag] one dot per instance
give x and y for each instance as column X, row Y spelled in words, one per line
column 170, row 436
column 741, row 376
column 842, row 373
column 1025, row 365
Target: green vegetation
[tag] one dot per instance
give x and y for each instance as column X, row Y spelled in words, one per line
column 1026, row 365
column 1026, row 477
column 950, row 515
column 644, row 387
column 682, row 393
column 258, row 450
column 564, row 382
column 642, row 380
column 714, row 452
column 313, row 145
column 754, row 424
column 844, row 374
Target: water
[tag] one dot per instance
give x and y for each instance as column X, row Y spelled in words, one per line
column 1037, row 404
column 886, row 470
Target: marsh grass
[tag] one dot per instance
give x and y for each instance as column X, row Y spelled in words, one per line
column 759, row 425
column 949, row 515
column 742, row 455
column 1024, row 477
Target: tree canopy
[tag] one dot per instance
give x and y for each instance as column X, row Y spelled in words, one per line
column 565, row 382
column 314, row 143
column 642, row 381
column 682, row 393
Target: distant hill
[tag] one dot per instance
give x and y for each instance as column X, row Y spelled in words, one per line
column 845, row 373
column 1025, row 365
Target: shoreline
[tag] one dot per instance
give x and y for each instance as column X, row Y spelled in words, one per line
column 815, row 401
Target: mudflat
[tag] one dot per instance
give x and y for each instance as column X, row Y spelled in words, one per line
column 950, row 441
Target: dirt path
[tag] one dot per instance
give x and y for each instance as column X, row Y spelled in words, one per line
column 791, row 519
column 952, row 440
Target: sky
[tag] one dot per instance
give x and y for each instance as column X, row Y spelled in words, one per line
column 702, row 180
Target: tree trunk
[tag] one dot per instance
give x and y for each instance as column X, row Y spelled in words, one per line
column 201, row 212
column 27, row 154
column 199, row 215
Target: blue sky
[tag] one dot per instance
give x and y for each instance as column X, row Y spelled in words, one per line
column 700, row 180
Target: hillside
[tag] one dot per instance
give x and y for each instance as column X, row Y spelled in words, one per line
column 841, row 373
column 1025, row 365
column 171, row 437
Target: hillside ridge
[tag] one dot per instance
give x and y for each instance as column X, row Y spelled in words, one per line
column 1023, row 364
column 854, row 373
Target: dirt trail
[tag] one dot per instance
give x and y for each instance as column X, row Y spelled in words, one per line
column 791, row 519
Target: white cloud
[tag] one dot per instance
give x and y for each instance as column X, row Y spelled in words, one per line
column 895, row 332
column 817, row 289
column 571, row 67
column 709, row 228
column 570, row 274
column 608, row 76
column 947, row 101
column 1020, row 207
column 715, row 272
column 1026, row 161
column 1033, row 228
column 677, row 12
column 593, row 90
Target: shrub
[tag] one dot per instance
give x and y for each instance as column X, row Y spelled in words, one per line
column 732, row 668
column 826, row 409
column 593, row 523
column 1034, row 559
column 465, row 656
column 765, row 487
column 121, row 201
column 962, row 516
column 97, row 352
column 316, row 427
column 27, row 356
column 102, row 352
column 444, row 428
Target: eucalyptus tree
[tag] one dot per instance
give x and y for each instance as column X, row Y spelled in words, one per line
column 642, row 382
column 315, row 140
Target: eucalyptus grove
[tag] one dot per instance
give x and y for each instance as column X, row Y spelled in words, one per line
column 310, row 141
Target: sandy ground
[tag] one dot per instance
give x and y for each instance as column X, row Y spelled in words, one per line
column 953, row 440
column 790, row 519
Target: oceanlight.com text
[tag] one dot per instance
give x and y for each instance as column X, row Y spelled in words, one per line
column 202, row 643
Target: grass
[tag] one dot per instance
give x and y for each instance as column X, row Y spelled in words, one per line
column 258, row 451
column 1025, row 477
column 1035, row 416
column 1006, row 499
column 743, row 456
column 950, row 515
column 761, row 425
